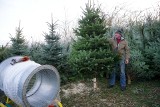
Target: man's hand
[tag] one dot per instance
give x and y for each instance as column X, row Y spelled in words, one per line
column 127, row 61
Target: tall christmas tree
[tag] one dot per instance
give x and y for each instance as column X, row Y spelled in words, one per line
column 19, row 45
column 91, row 54
column 52, row 49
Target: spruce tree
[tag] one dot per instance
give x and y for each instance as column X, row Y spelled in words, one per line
column 4, row 52
column 144, row 42
column 36, row 52
column 19, row 45
column 91, row 54
column 52, row 49
column 152, row 54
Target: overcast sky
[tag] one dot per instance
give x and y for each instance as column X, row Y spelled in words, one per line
column 34, row 14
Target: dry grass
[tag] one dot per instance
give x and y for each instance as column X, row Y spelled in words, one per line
column 138, row 94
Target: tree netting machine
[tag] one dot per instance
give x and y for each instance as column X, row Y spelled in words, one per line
column 29, row 84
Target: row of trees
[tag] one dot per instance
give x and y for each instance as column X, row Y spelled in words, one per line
column 144, row 40
column 90, row 54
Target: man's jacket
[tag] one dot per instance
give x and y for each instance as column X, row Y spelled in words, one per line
column 122, row 48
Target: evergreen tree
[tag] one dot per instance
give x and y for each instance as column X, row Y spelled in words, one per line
column 144, row 42
column 152, row 54
column 36, row 52
column 152, row 50
column 137, row 65
column 19, row 45
column 52, row 50
column 4, row 52
column 91, row 54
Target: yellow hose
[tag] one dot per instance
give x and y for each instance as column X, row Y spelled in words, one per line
column 2, row 105
column 8, row 101
column 59, row 103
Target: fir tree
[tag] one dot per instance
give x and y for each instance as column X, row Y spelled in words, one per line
column 91, row 54
column 19, row 45
column 52, row 49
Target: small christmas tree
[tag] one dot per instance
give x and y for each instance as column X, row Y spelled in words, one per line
column 19, row 45
column 52, row 49
column 4, row 52
column 36, row 52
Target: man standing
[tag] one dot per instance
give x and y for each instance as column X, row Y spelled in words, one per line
column 119, row 45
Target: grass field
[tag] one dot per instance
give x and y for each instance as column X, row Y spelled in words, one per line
column 138, row 94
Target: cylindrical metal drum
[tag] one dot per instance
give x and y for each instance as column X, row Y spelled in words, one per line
column 29, row 84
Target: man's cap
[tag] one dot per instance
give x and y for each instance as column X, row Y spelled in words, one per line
column 119, row 31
